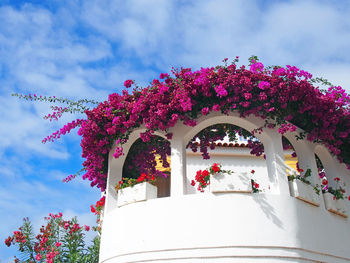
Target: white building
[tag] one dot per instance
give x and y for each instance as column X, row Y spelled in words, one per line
column 269, row 226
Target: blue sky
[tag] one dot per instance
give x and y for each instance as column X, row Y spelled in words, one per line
column 86, row 49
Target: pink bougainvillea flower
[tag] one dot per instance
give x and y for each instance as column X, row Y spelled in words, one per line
column 205, row 111
column 263, row 85
column 256, row 67
column 128, row 83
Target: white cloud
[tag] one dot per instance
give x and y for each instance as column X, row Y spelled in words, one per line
column 166, row 33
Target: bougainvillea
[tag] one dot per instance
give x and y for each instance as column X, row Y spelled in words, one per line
column 275, row 94
column 284, row 96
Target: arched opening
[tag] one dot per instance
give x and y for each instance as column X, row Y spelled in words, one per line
column 231, row 146
column 150, row 158
column 291, row 159
column 326, row 166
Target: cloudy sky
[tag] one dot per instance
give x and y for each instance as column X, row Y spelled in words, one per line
column 86, row 49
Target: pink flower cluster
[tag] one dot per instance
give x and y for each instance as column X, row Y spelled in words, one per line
column 64, row 130
column 285, row 95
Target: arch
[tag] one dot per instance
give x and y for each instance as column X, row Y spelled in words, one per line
column 240, row 160
column 115, row 167
column 270, row 138
column 330, row 164
column 249, row 123
column 305, row 152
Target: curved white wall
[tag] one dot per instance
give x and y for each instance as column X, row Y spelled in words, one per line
column 224, row 228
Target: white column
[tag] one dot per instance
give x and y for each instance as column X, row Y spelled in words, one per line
column 306, row 158
column 178, row 166
column 115, row 170
column 275, row 163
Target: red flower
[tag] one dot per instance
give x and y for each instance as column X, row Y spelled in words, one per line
column 93, row 210
column 102, row 201
column 349, row 197
column 141, row 177
column 205, row 173
column 193, row 183
column 324, row 182
column 252, row 171
column 8, row 241
column 198, row 175
column 337, row 179
column 216, row 168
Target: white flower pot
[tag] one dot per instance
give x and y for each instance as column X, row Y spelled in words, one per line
column 235, row 182
column 137, row 193
column 304, row 192
column 335, row 206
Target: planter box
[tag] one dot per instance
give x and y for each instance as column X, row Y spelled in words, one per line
column 335, row 206
column 236, row 182
column 137, row 193
column 304, row 192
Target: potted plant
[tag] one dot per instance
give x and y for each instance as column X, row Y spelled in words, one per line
column 334, row 197
column 132, row 190
column 300, row 187
column 223, row 180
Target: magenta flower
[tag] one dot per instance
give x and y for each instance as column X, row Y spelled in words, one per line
column 205, row 111
column 128, row 83
column 256, row 67
column 221, row 91
column 216, row 107
column 264, row 85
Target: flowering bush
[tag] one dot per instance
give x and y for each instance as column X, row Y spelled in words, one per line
column 270, row 93
column 130, row 182
column 203, row 177
column 58, row 242
column 284, row 96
